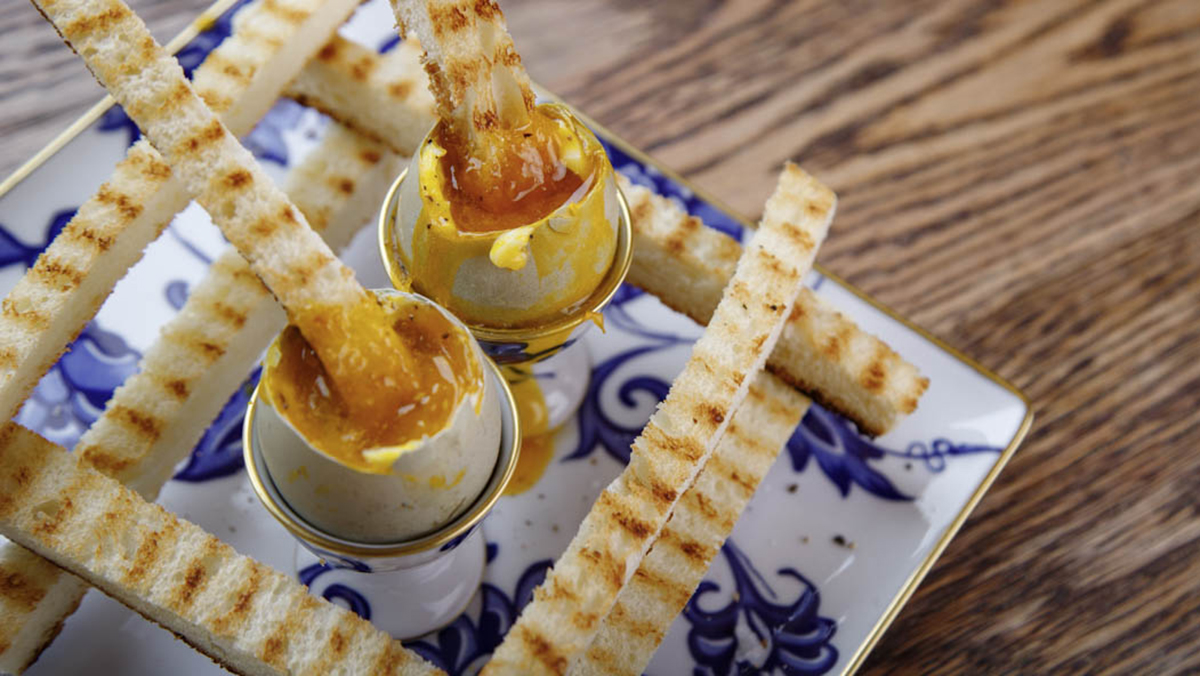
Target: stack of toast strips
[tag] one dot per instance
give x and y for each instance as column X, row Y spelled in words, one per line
column 87, row 518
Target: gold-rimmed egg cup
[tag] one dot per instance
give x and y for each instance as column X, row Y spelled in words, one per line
column 418, row 584
column 553, row 345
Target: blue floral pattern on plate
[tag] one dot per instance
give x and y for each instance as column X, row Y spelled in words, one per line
column 788, row 636
column 352, row 599
column 748, row 625
column 464, row 646
column 843, row 454
column 73, row 394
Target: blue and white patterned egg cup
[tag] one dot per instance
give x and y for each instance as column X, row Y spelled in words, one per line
column 553, row 354
column 417, row 585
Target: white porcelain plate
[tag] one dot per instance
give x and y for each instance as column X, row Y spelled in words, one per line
column 834, row 542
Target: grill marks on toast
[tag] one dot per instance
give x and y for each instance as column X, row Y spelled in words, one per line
column 821, row 351
column 18, row 589
column 256, row 613
column 385, row 98
column 197, row 143
column 197, row 574
column 50, row 304
column 469, row 53
column 200, row 356
column 621, row 525
column 110, row 230
column 703, row 518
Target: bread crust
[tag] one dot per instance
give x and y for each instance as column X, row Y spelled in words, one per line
column 701, row 521
column 556, row 628
column 474, row 70
column 389, row 94
column 244, row 615
column 821, row 352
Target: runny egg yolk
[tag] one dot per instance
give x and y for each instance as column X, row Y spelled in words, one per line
column 506, row 178
column 298, row 385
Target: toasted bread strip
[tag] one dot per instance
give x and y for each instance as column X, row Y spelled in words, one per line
column 36, row 596
column 474, row 70
column 389, row 94
column 240, row 79
column 205, row 351
column 202, row 354
column 567, row 609
column 821, row 351
column 699, row 525
column 244, row 615
column 341, row 321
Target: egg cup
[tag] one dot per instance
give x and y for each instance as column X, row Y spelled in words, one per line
column 425, row 581
column 546, row 364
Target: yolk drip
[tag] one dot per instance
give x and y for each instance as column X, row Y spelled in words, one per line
column 299, row 386
column 509, row 178
column 537, row 443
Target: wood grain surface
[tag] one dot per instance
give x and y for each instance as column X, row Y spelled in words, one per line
column 1021, row 178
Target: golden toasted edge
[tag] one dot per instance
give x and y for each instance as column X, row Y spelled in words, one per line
column 474, row 70
column 821, row 352
column 701, row 521
column 385, row 97
column 245, row 615
column 52, row 302
column 201, row 355
column 251, row 211
column 55, row 298
column 579, row 591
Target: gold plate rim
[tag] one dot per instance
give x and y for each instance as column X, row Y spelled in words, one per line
column 914, row 580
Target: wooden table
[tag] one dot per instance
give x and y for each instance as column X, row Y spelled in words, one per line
column 1023, row 179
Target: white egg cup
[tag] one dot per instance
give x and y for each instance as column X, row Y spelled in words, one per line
column 419, row 584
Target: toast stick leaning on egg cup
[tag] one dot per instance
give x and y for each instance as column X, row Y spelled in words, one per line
column 367, row 368
column 509, row 215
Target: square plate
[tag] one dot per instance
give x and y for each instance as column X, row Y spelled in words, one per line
column 832, row 545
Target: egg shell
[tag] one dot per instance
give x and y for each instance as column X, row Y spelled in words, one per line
column 426, row 487
column 566, row 259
